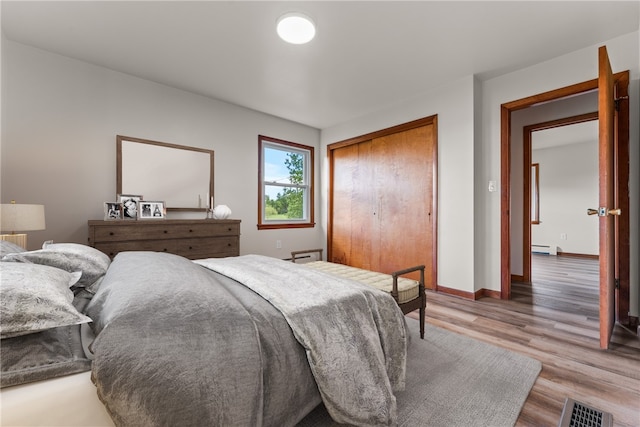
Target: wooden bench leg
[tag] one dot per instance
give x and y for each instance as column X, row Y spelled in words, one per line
column 422, row 320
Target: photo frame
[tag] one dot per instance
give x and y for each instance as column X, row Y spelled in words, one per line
column 129, row 205
column 151, row 210
column 112, row 211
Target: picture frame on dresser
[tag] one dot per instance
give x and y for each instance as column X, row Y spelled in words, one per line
column 112, row 211
column 151, row 210
column 129, row 205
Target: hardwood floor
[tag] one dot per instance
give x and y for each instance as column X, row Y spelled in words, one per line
column 554, row 320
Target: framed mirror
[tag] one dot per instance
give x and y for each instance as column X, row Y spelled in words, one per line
column 180, row 176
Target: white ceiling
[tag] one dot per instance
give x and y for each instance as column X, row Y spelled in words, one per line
column 366, row 55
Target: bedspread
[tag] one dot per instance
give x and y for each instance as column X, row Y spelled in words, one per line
column 179, row 345
column 354, row 335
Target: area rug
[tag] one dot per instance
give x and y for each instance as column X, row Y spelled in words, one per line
column 453, row 381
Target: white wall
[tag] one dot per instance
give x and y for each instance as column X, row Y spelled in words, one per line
column 60, row 120
column 568, row 177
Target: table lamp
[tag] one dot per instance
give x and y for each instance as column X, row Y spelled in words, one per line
column 17, row 217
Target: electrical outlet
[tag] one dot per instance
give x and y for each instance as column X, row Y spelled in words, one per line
column 563, row 236
column 278, row 244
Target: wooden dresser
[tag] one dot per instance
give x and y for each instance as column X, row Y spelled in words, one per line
column 191, row 238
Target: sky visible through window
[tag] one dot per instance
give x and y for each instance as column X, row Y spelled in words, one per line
column 275, row 170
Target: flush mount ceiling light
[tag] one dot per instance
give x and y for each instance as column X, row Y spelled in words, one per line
column 296, row 28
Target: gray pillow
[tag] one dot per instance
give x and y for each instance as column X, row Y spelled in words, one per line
column 9, row 248
column 35, row 298
column 70, row 257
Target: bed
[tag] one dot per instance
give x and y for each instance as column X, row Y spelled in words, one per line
column 247, row 340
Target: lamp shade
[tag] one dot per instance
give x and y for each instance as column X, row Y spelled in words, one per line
column 15, row 217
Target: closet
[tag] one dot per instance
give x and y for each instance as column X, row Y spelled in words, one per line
column 382, row 199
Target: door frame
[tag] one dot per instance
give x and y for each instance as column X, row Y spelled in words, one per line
column 527, row 155
column 621, row 82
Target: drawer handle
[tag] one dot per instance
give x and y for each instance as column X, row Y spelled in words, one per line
column 190, row 231
column 165, row 231
column 165, row 249
column 229, row 244
column 190, row 247
column 111, row 233
column 230, row 229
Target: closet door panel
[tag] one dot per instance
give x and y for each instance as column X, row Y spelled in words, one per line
column 403, row 198
column 352, row 205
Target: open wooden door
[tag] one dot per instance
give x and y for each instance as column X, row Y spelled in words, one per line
column 607, row 212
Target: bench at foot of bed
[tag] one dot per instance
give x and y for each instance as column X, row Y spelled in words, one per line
column 409, row 294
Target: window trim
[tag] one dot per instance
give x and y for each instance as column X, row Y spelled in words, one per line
column 263, row 224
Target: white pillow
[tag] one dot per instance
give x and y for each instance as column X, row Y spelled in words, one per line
column 70, row 257
column 36, row 297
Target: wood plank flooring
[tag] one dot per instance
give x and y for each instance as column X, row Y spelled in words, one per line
column 554, row 320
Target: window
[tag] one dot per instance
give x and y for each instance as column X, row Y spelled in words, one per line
column 285, row 189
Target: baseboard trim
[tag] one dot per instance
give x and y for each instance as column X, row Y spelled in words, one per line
column 588, row 256
column 488, row 293
column 455, row 292
column 516, row 278
column 481, row 293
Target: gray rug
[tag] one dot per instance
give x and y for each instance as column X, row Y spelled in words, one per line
column 453, row 380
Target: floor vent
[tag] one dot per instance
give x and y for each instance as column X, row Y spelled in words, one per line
column 576, row 414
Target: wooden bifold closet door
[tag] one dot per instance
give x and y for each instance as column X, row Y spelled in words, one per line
column 382, row 213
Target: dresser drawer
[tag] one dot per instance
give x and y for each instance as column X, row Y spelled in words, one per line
column 208, row 230
column 208, row 248
column 117, row 233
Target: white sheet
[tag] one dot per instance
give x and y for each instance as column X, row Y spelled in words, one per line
column 66, row 401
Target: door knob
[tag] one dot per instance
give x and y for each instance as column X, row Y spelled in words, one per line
column 604, row 211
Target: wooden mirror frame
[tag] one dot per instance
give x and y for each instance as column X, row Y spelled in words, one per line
column 202, row 202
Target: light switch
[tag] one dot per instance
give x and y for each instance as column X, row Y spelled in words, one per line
column 492, row 186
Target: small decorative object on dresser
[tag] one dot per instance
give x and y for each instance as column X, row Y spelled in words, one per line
column 191, row 238
column 221, row 212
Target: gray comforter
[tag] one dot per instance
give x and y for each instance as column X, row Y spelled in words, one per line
column 178, row 344
column 353, row 334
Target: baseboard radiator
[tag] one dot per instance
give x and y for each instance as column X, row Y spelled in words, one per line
column 544, row 249
column 576, row 414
